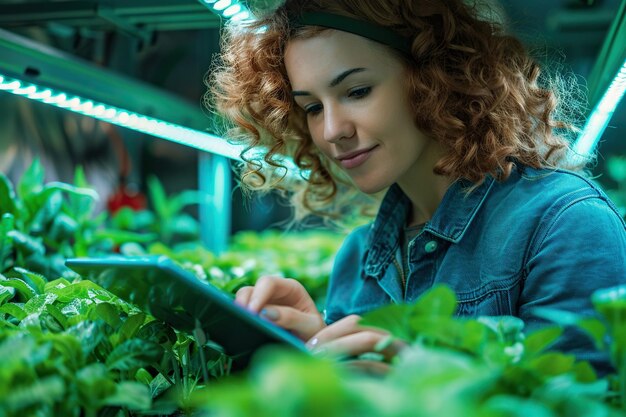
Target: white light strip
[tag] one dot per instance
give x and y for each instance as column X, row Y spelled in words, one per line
column 601, row 114
column 234, row 10
column 121, row 117
column 175, row 133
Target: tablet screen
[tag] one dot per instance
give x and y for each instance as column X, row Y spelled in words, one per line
column 162, row 288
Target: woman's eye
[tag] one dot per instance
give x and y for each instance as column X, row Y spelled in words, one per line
column 359, row 92
column 313, row 109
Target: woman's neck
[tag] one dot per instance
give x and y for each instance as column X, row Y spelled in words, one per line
column 423, row 187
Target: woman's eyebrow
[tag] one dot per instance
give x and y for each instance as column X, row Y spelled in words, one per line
column 335, row 81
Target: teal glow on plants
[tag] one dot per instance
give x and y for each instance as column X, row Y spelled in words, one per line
column 601, row 114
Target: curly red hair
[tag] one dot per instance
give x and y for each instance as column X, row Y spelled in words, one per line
column 473, row 88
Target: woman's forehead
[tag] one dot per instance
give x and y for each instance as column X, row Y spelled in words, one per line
column 332, row 50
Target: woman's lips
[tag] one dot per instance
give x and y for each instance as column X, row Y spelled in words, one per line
column 355, row 159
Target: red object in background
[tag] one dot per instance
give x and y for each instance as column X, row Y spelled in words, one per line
column 126, row 196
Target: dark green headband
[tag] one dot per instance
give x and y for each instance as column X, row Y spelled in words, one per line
column 358, row 27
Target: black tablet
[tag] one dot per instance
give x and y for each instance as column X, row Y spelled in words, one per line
column 162, row 288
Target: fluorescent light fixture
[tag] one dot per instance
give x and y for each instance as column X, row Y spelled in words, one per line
column 190, row 137
column 601, row 114
column 233, row 10
column 125, row 118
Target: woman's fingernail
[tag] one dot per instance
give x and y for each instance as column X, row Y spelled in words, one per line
column 270, row 314
column 320, row 352
column 252, row 306
column 312, row 343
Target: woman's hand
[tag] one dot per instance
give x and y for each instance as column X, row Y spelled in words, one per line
column 285, row 302
column 346, row 337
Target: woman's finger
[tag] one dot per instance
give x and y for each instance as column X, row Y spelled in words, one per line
column 363, row 342
column 281, row 291
column 345, row 337
column 304, row 325
column 346, row 326
column 242, row 296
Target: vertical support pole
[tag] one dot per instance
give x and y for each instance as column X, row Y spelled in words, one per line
column 214, row 181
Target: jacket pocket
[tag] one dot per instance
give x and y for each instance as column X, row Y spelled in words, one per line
column 496, row 296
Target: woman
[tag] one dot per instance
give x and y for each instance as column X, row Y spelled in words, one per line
column 440, row 110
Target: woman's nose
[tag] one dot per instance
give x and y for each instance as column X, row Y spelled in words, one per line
column 337, row 124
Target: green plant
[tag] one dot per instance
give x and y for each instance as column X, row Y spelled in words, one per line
column 41, row 222
column 82, row 350
column 453, row 367
column 166, row 223
column 71, row 348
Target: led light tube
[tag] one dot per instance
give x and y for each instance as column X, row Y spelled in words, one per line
column 121, row 117
column 601, row 114
column 232, row 10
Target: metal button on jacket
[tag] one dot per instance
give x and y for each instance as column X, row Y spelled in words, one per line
column 431, row 246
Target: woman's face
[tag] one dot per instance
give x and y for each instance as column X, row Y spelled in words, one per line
column 354, row 94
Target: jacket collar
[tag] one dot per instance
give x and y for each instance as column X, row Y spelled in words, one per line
column 450, row 221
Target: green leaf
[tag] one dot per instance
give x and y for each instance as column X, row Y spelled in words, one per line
column 119, row 237
column 95, row 384
column 46, row 390
column 157, row 332
column 508, row 328
column 593, row 327
column 131, row 395
column 143, row 376
column 405, row 321
column 23, row 289
column 6, row 293
column 56, row 284
column 132, row 325
column 128, row 219
column 159, row 198
column 85, row 290
column 6, row 241
column 68, row 346
column 26, row 244
column 132, row 249
column 109, row 313
column 36, row 281
column 90, row 334
column 80, row 206
column 13, row 310
column 438, row 301
column 53, row 187
column 62, row 229
column 393, row 318
column 133, row 354
column 38, row 303
column 596, row 329
column 585, row 373
column 538, row 341
column 553, row 363
column 185, row 198
column 184, row 225
column 7, row 196
column 56, row 312
column 611, row 303
column 31, row 181
column 158, row 385
column 44, row 212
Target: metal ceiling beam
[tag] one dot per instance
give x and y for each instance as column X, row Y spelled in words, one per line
column 32, row 62
column 97, row 13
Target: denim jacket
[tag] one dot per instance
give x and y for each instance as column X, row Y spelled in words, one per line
column 542, row 238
